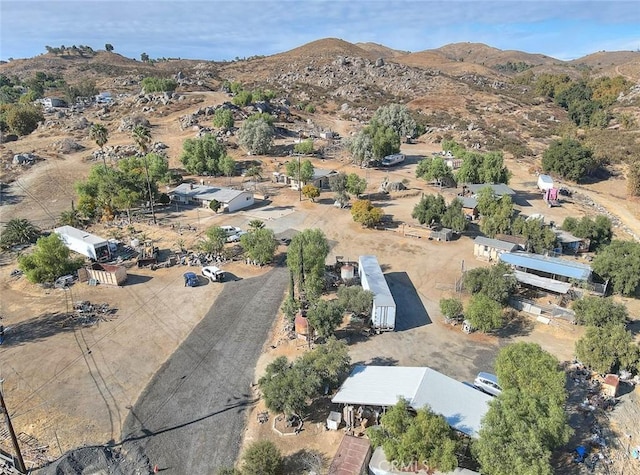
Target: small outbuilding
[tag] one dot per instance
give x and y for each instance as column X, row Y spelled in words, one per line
column 610, row 385
column 105, row 274
column 499, row 189
column 469, row 206
column 490, row 249
column 441, row 234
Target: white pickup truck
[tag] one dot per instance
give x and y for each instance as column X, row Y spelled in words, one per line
column 391, row 160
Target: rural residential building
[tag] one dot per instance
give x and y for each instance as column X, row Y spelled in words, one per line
column 499, row 189
column 320, row 179
column 89, row 245
column 49, row 102
column 383, row 313
column 469, row 206
column 381, row 386
column 490, row 249
column 201, row 195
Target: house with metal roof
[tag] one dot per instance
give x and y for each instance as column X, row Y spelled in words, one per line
column 499, row 189
column 490, row 249
column 469, row 206
column 320, row 179
column 462, row 406
column 571, row 244
column 202, row 195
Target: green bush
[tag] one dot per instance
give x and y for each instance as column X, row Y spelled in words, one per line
column 153, row 84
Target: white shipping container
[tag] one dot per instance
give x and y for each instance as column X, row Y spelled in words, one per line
column 383, row 313
column 89, row 245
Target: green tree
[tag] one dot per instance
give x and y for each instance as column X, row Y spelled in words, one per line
column 301, row 171
column 311, row 192
column 361, row 148
column 451, row 308
column 496, row 213
column 242, row 98
column 608, row 349
column 100, row 135
column 425, row 437
column 108, row 47
column 223, row 118
column 204, row 155
column 215, row 205
column 256, row 224
column 305, row 147
column 429, row 209
column 288, row 388
column 330, row 362
column 385, row 141
column 144, row 57
column 227, row 166
column 22, row 119
column 539, row 237
column 70, row 217
column 259, row 245
column 256, row 136
column 49, row 260
column 356, row 299
column 325, row 316
column 338, row 184
column 18, row 231
column 496, row 282
column 262, row 457
column 430, row 169
column 528, row 368
column 396, row 117
column 597, row 230
column 365, row 213
column 306, row 257
column 454, row 217
column 355, row 185
column 484, row 313
column 214, row 241
column 599, row 311
column 154, row 84
column 569, row 159
column 620, row 262
column 633, row 178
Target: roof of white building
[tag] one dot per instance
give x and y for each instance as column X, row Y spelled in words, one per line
column 79, row 234
column 207, row 193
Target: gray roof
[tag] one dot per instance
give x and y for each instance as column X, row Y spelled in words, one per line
column 499, row 189
column 468, row 201
column 206, row 193
column 495, row 243
column 542, row 282
column 549, row 265
column 321, row 173
column 377, row 283
column 545, row 179
column 462, row 406
column 79, row 234
column 566, row 237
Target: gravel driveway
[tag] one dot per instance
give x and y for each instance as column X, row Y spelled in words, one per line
column 191, row 417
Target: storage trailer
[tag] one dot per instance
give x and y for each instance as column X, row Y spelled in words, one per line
column 383, row 313
column 89, row 245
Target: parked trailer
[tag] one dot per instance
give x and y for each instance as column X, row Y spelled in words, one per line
column 89, row 245
column 383, row 313
column 394, row 159
column 545, row 182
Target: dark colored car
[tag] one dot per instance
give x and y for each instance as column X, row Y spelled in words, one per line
column 190, row 279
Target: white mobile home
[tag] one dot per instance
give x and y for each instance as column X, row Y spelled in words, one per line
column 230, row 199
column 383, row 313
column 89, row 245
column 545, row 182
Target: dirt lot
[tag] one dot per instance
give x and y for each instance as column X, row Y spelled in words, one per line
column 69, row 385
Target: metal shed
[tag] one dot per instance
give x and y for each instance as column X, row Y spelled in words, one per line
column 383, row 313
column 554, row 267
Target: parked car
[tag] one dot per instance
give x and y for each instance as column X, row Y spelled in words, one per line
column 190, row 279
column 488, row 383
column 230, row 230
column 213, row 273
column 236, row 237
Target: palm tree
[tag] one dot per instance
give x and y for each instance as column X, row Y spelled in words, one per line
column 100, row 134
column 255, row 172
column 256, row 224
column 18, row 231
column 142, row 137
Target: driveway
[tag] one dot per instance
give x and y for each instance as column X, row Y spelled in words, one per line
column 191, row 416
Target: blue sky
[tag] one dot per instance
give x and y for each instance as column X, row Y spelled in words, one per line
column 217, row 30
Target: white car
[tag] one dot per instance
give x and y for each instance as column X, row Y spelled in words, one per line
column 488, row 383
column 236, row 237
column 230, row 230
column 213, row 273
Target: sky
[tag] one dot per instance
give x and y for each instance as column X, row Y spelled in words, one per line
column 229, row 29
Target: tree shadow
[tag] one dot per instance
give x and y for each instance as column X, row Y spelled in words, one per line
column 377, row 361
column 8, row 196
column 135, row 279
column 47, row 325
column 517, row 325
column 306, row 461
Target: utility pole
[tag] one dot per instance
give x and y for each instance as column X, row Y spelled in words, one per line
column 146, row 170
column 21, row 467
column 299, row 182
